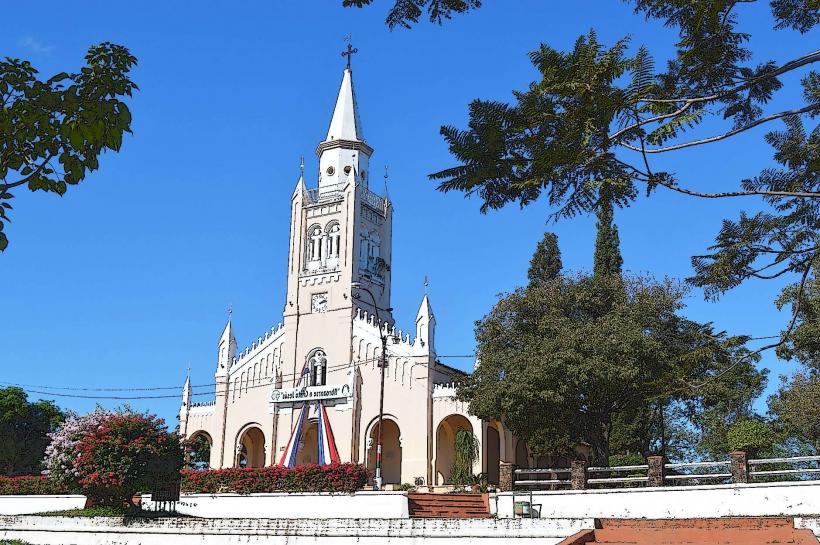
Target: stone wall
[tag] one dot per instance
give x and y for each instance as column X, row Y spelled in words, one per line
column 104, row 531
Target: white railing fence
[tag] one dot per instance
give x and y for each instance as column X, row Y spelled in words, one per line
column 657, row 472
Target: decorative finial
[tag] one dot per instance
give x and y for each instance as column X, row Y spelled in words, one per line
column 350, row 50
column 302, row 165
column 426, row 283
column 230, row 312
column 386, row 176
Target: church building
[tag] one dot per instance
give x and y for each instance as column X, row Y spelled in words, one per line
column 308, row 390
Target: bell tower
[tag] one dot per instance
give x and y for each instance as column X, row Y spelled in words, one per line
column 340, row 234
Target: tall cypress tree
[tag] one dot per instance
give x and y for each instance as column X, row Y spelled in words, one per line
column 546, row 261
column 608, row 260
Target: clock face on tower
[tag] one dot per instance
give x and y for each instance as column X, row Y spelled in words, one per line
column 318, row 302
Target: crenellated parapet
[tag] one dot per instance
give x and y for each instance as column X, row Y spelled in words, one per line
column 444, row 390
column 262, row 342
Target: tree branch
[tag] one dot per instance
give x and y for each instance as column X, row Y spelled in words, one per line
column 12, row 185
column 733, row 132
column 812, row 57
column 673, row 187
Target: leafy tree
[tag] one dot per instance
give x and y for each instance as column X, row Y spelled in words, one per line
column 24, row 429
column 53, row 131
column 110, row 456
column 598, row 116
column 406, row 13
column 466, row 454
column 607, row 359
column 580, row 352
column 753, row 436
column 546, row 261
column 796, row 406
column 608, row 260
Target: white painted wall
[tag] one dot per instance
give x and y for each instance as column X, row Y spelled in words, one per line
column 26, row 505
column 104, row 531
column 758, row 499
column 376, row 505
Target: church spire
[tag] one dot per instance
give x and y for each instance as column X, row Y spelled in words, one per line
column 344, row 151
column 226, row 348
column 345, row 123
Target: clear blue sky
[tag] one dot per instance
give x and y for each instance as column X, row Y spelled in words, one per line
column 127, row 278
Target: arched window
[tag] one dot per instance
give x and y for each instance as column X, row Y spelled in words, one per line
column 315, row 236
column 318, row 368
column 333, row 235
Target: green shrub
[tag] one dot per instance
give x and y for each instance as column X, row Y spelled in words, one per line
column 29, row 486
column 751, row 436
column 307, row 478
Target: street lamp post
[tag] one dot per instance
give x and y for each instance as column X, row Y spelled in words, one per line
column 377, row 479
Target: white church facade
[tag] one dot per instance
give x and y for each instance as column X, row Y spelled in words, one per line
column 327, row 348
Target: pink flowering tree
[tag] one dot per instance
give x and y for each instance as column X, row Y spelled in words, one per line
column 110, row 457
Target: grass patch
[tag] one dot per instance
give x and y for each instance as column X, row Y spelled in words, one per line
column 116, row 512
column 13, row 542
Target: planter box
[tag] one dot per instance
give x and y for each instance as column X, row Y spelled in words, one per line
column 26, row 505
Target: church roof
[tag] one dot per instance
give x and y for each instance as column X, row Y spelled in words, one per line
column 345, row 124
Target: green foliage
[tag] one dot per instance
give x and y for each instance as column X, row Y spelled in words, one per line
column 110, row 511
column 796, row 406
column 632, row 459
column 53, row 131
column 608, row 260
column 406, row 13
column 578, row 352
column 199, row 453
column 110, row 457
column 24, row 429
column 466, row 454
column 546, row 261
column 752, row 436
column 597, row 116
column 305, row 478
column 803, row 344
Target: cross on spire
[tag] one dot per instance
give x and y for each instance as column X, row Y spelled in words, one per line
column 350, row 52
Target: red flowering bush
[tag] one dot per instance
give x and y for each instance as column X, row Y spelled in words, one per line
column 29, row 486
column 117, row 455
column 308, row 478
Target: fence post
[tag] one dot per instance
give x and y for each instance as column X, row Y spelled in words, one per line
column 656, row 470
column 739, row 466
column 578, row 475
column 506, row 477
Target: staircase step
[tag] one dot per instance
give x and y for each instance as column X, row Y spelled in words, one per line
column 726, row 531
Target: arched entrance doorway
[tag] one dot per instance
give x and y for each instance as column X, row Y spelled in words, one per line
column 391, row 451
column 446, row 445
column 309, row 448
column 250, row 451
column 198, row 451
column 492, row 454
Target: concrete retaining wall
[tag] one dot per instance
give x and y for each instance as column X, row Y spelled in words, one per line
column 758, row 499
column 26, row 505
column 104, row 531
column 381, row 505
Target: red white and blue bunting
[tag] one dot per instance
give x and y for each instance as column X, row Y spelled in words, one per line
column 325, row 441
column 289, row 456
column 327, row 444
